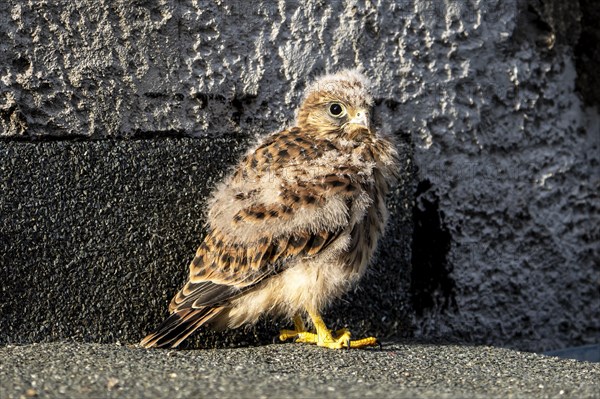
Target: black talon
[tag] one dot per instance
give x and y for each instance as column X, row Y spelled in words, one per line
column 380, row 345
column 348, row 344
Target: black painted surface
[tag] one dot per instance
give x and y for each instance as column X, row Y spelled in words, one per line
column 432, row 286
column 96, row 237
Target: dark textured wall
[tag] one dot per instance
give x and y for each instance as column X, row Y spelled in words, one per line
column 116, row 118
column 97, row 237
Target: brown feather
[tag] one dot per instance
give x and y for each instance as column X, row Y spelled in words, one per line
column 297, row 220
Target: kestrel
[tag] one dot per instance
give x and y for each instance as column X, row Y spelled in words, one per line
column 296, row 223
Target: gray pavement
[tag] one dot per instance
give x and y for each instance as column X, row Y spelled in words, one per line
column 399, row 370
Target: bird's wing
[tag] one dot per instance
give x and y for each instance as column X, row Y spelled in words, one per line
column 222, row 270
column 272, row 209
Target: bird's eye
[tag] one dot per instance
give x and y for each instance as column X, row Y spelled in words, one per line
column 337, row 110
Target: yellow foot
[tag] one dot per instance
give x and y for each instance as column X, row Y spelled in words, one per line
column 299, row 328
column 341, row 339
column 323, row 337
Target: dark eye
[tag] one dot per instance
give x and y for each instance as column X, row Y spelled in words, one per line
column 336, row 109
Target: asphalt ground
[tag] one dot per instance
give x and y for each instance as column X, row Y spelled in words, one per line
column 399, row 370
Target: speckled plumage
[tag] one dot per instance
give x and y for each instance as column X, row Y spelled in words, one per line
column 296, row 223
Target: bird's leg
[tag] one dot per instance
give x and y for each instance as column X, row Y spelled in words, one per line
column 299, row 333
column 299, row 328
column 324, row 337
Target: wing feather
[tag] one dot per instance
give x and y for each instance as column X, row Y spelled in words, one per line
column 209, row 286
column 272, row 209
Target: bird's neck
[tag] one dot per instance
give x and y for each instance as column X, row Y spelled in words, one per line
column 348, row 133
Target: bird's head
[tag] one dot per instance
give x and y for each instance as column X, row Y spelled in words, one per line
column 339, row 104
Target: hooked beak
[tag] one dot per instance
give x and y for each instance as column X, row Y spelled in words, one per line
column 362, row 119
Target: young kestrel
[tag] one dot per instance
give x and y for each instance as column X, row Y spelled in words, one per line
column 296, row 223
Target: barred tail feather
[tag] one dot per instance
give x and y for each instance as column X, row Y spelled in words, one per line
column 178, row 326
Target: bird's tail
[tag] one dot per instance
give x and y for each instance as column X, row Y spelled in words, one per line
column 178, row 326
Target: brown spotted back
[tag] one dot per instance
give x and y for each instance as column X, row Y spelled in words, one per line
column 306, row 204
column 274, row 212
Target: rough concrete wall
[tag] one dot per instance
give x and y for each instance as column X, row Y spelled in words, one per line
column 508, row 157
column 505, row 225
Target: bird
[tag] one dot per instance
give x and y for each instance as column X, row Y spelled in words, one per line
column 295, row 224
